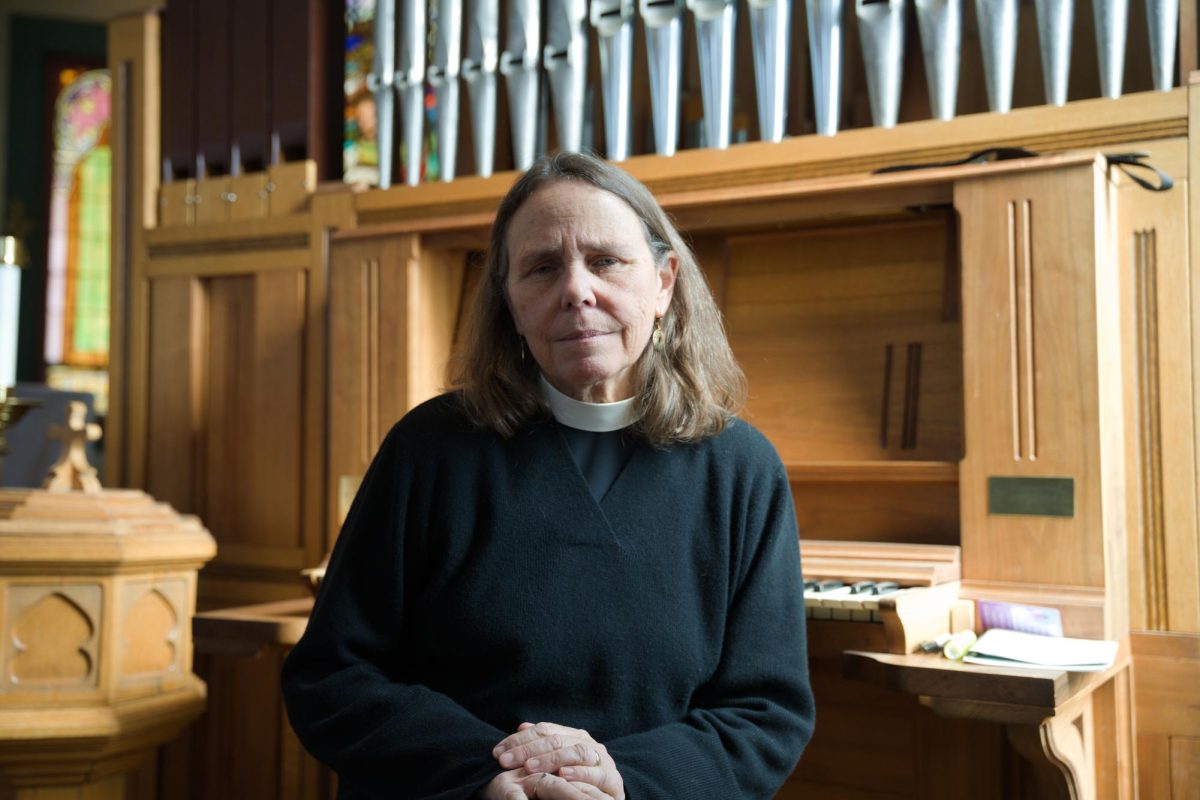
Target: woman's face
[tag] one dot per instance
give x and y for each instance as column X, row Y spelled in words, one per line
column 583, row 288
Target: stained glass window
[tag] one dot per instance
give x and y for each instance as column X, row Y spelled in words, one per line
column 76, row 347
column 360, row 154
column 360, row 157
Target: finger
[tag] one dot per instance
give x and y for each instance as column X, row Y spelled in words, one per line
column 552, row 787
column 578, row 753
column 537, row 748
column 605, row 778
column 528, row 732
column 592, row 792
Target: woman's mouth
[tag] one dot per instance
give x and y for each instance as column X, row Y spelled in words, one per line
column 577, row 336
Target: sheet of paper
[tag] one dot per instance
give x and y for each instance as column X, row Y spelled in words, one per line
column 1013, row 648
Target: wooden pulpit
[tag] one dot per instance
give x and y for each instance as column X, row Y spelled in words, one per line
column 97, row 592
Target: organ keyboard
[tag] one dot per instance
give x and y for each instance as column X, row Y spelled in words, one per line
column 880, row 596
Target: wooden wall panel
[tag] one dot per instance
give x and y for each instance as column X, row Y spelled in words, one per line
column 178, row 95
column 849, row 341
column 1164, row 549
column 250, row 101
column 877, row 512
column 1167, row 693
column 133, row 60
column 434, row 308
column 368, row 379
column 1041, row 360
column 304, row 77
column 395, row 313
column 214, row 78
column 871, row 743
column 1185, row 767
column 255, row 435
column 178, row 326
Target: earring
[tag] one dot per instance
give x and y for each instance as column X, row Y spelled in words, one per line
column 522, row 349
column 656, row 338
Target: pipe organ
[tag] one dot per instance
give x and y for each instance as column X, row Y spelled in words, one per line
column 870, row 31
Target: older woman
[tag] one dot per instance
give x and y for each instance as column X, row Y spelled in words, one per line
column 577, row 575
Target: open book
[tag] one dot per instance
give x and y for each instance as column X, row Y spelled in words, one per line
column 998, row 647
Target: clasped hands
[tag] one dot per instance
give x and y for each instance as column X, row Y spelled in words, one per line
column 553, row 762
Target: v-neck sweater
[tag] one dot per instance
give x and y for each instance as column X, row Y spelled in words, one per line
column 478, row 584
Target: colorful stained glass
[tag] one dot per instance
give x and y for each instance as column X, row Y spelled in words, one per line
column 360, row 155
column 77, row 265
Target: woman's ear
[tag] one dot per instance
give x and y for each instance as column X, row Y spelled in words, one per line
column 667, row 271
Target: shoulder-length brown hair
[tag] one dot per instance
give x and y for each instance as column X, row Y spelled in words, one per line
column 687, row 390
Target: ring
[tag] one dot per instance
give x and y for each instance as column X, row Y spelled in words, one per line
column 599, row 760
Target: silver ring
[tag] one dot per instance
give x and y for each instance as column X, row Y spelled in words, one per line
column 599, row 760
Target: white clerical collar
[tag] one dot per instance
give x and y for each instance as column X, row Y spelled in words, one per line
column 593, row 417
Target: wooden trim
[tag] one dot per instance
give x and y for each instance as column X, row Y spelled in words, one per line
column 230, row 263
column 1163, row 644
column 133, row 59
column 1167, row 683
column 873, row 471
column 243, row 232
column 1082, row 124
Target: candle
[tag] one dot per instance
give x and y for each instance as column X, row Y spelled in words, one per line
column 10, row 304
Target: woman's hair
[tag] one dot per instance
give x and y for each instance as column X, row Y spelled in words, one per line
column 685, row 390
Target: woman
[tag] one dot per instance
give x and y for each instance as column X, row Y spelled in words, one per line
column 577, row 576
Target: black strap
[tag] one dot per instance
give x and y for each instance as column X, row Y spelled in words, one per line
column 978, row 157
column 1129, row 161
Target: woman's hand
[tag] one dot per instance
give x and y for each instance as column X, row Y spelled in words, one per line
column 519, row 784
column 514, row 784
column 562, row 752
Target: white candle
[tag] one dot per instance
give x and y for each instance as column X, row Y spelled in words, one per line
column 10, row 304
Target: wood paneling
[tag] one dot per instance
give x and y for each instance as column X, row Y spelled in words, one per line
column 1167, row 683
column 872, row 743
column 1164, row 558
column 1185, row 767
column 395, row 311
column 846, row 341
column 214, row 79
column 250, row 101
column 920, row 513
column 254, row 436
column 1041, row 351
column 368, row 381
column 133, row 58
column 179, row 74
column 1167, row 692
column 177, row 346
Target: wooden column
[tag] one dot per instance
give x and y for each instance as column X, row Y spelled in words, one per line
column 133, row 61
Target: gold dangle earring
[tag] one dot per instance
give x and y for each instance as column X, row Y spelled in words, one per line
column 656, row 338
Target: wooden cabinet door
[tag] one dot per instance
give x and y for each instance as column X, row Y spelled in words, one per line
column 1042, row 486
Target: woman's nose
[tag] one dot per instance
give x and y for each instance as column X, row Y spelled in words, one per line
column 578, row 286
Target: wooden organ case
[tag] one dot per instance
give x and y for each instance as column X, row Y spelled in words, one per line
column 963, row 369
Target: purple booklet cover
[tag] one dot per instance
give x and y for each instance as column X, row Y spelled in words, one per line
column 1015, row 617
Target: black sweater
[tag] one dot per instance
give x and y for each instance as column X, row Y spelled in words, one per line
column 478, row 584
